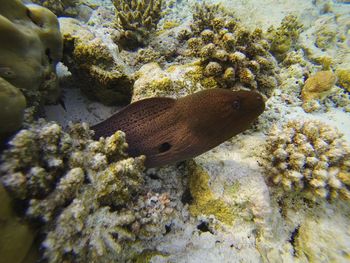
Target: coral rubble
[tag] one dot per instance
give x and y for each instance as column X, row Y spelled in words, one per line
column 310, row 158
column 30, row 48
column 88, row 193
column 136, row 19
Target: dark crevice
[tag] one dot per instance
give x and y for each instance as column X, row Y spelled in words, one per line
column 204, row 227
column 48, row 54
column 186, row 197
column 293, row 237
column 167, row 228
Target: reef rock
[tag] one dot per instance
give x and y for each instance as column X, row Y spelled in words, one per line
column 94, row 64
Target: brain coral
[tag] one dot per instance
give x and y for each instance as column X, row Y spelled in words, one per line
column 88, row 194
column 310, row 158
column 229, row 53
column 30, row 47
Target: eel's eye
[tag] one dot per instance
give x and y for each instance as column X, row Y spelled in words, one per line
column 164, row 147
column 236, row 105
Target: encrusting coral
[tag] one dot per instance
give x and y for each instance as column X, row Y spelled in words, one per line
column 317, row 87
column 229, row 53
column 30, row 48
column 96, row 71
column 136, row 19
column 309, row 158
column 88, row 193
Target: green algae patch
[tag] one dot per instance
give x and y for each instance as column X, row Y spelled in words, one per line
column 204, row 201
column 147, row 255
column 170, row 24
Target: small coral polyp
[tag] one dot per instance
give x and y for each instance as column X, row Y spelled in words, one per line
column 309, row 158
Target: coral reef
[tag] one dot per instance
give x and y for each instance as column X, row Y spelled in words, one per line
column 30, row 47
column 231, row 55
column 284, row 38
column 136, row 19
column 317, row 87
column 94, row 67
column 309, row 158
column 88, row 193
column 15, row 234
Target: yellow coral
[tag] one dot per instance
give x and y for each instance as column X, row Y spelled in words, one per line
column 344, row 78
column 204, row 201
column 310, row 158
column 318, row 86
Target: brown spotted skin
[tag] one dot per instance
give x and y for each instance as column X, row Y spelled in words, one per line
column 168, row 130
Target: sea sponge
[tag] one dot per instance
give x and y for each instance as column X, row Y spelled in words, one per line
column 94, row 67
column 30, row 48
column 309, row 158
column 318, row 87
column 229, row 53
column 136, row 20
column 88, row 194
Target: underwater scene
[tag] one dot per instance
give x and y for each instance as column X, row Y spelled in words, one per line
column 174, row 131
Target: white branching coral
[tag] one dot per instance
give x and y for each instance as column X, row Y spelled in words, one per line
column 311, row 158
column 89, row 194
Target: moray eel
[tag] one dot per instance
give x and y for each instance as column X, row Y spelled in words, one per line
column 166, row 130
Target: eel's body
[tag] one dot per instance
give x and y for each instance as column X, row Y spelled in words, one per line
column 166, row 130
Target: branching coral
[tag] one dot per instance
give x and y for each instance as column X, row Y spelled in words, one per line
column 136, row 19
column 30, row 47
column 88, row 193
column 309, row 158
column 98, row 74
column 284, row 38
column 229, row 53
